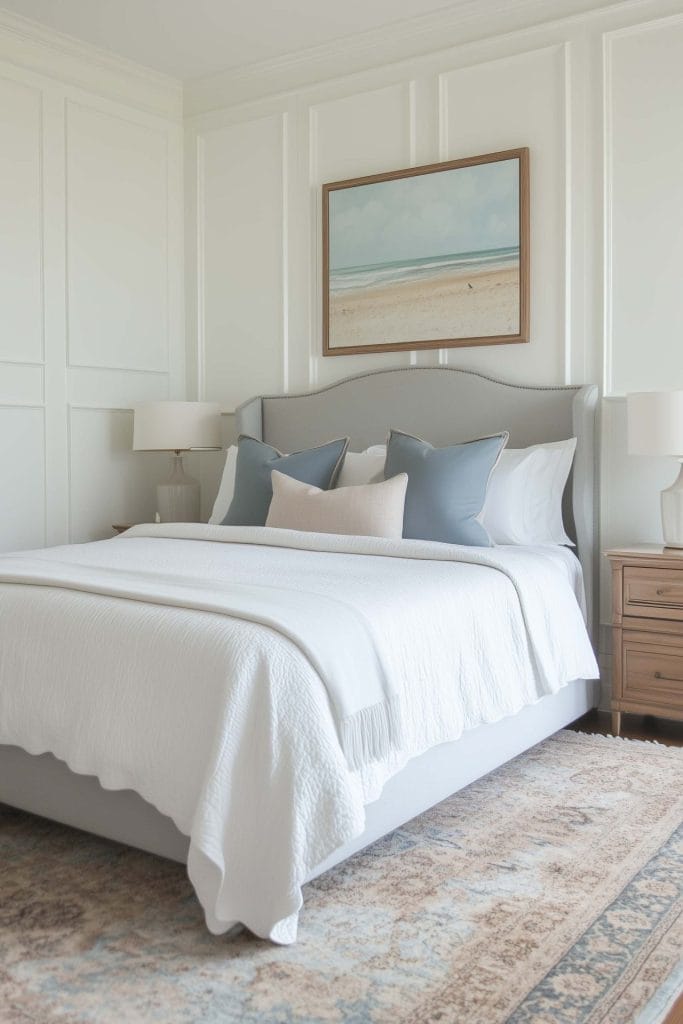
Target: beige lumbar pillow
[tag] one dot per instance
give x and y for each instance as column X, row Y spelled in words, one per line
column 367, row 510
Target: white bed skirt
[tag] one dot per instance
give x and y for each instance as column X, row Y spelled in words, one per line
column 45, row 786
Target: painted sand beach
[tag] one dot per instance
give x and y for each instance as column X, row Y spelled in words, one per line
column 467, row 295
column 426, row 258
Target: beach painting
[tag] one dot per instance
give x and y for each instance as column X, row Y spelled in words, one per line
column 429, row 257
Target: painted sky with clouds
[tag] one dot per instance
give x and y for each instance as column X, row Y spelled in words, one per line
column 462, row 210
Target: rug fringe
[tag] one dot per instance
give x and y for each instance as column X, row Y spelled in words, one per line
column 677, row 751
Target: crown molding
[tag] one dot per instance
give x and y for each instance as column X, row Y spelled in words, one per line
column 467, row 21
column 27, row 44
column 30, row 45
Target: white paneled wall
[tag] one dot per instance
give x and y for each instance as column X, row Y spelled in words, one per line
column 644, row 193
column 643, row 254
column 21, row 206
column 597, row 98
column 116, row 241
column 256, row 355
column 22, row 451
column 362, row 133
column 91, row 287
column 106, row 482
column 91, row 235
column 484, row 107
column 433, row 108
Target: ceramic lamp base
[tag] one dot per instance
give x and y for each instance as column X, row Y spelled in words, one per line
column 178, row 497
column 672, row 513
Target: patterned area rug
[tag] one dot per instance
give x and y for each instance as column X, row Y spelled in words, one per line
column 548, row 892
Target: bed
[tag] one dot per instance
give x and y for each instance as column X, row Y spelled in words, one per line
column 299, row 836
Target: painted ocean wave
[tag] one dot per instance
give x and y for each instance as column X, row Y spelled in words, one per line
column 403, row 271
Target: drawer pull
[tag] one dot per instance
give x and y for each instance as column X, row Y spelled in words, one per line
column 668, row 679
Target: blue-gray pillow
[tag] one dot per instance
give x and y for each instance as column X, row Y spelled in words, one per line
column 446, row 486
column 256, row 461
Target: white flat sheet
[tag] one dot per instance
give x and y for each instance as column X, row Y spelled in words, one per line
column 224, row 725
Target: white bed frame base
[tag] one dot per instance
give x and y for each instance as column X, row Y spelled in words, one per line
column 438, row 773
column 45, row 786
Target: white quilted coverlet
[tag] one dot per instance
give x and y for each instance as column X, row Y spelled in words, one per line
column 225, row 725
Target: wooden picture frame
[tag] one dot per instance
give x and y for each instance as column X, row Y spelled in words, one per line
column 385, row 291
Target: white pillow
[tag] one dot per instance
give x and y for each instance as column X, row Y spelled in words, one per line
column 226, row 489
column 363, row 467
column 366, row 510
column 524, row 498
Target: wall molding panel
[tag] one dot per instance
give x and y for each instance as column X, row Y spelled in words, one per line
column 642, row 75
column 22, row 294
column 119, row 163
column 353, row 133
column 21, row 384
column 129, row 345
column 245, row 200
column 516, row 100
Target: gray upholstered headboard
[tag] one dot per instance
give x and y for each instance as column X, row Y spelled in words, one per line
column 445, row 405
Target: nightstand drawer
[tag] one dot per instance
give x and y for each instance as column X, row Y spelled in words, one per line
column 653, row 593
column 652, row 672
column 647, row 628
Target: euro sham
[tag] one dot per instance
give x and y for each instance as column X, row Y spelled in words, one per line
column 524, row 499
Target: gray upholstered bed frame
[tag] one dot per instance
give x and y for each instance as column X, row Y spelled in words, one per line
column 442, row 405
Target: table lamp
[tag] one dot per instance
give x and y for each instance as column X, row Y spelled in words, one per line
column 177, row 427
column 655, row 427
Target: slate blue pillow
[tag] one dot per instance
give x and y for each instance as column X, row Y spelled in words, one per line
column 446, row 486
column 256, row 461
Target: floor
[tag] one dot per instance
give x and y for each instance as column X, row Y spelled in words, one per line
column 633, row 727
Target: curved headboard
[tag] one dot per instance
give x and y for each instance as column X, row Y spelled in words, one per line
column 446, row 405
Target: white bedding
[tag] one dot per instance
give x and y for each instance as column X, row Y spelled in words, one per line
column 133, row 662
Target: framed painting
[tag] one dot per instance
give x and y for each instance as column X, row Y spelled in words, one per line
column 429, row 257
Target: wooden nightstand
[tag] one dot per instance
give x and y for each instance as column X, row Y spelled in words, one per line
column 647, row 632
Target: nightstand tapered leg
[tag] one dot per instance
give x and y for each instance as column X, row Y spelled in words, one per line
column 616, row 723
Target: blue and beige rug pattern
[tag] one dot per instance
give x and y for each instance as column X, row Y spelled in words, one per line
column 549, row 892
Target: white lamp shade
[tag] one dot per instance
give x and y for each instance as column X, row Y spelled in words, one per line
column 176, row 426
column 655, row 423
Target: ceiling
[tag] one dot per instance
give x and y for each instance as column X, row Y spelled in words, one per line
column 192, row 38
